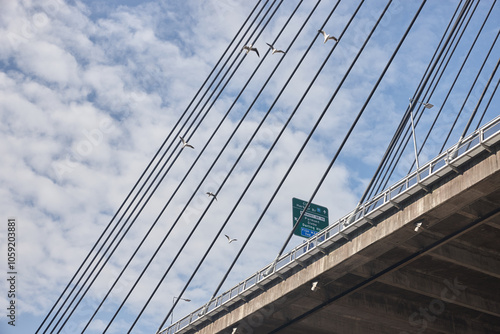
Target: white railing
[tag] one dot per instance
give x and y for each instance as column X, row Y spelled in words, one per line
column 479, row 141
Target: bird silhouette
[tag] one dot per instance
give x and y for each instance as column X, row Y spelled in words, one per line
column 274, row 49
column 327, row 37
column 211, row 194
column 185, row 143
column 249, row 48
column 229, row 239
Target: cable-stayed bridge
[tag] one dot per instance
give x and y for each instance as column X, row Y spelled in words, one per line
column 311, row 97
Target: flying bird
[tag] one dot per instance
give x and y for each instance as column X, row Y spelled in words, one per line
column 229, row 239
column 211, row 194
column 314, row 285
column 249, row 48
column 185, row 143
column 274, row 49
column 327, row 37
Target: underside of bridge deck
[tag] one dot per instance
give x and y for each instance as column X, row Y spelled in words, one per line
column 443, row 277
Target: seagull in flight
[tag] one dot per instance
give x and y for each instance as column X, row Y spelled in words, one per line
column 211, row 194
column 249, row 48
column 185, row 143
column 229, row 239
column 274, row 49
column 327, row 37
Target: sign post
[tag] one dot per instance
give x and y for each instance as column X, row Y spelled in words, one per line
column 314, row 220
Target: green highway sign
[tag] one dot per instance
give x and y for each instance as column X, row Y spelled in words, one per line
column 314, row 220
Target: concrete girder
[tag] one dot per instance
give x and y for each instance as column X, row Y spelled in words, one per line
column 472, row 259
column 371, row 309
column 448, row 290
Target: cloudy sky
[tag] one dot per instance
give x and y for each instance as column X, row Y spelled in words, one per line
column 90, row 89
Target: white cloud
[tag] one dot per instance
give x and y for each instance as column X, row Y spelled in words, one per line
column 47, row 62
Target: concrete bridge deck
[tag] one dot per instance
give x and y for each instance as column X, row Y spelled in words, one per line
column 386, row 275
column 442, row 278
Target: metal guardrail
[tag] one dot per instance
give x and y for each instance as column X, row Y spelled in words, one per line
column 479, row 141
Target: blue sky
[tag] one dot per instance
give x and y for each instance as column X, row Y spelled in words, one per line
column 89, row 90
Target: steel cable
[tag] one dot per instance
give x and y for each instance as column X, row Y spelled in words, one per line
column 135, row 186
column 136, row 206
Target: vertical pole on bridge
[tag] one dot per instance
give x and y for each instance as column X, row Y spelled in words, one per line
column 427, row 106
